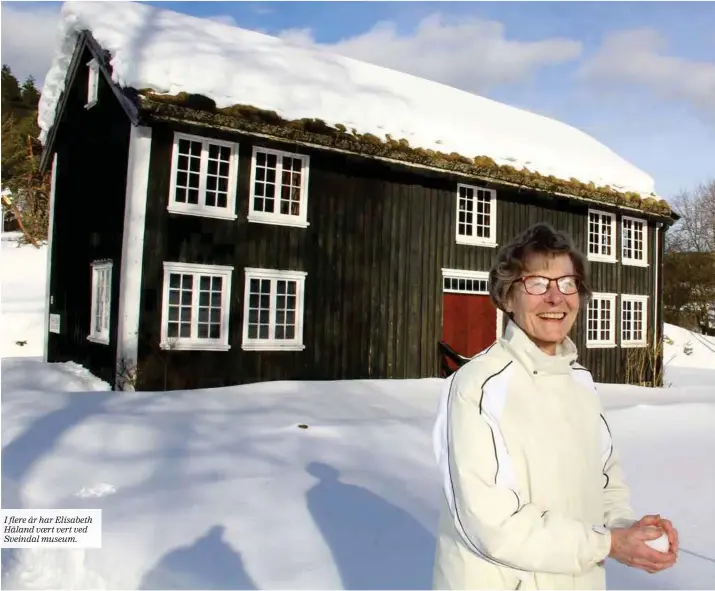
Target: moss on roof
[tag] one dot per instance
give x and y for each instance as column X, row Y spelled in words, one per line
column 247, row 118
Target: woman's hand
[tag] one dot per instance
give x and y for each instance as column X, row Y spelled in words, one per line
column 628, row 547
column 666, row 526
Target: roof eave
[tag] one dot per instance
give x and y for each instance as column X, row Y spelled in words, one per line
column 85, row 40
column 165, row 111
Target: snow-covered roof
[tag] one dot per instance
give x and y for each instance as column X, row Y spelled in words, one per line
column 172, row 52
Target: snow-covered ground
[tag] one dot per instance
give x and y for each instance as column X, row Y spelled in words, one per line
column 22, row 297
column 221, row 489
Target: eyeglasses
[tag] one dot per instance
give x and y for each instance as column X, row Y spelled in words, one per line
column 539, row 285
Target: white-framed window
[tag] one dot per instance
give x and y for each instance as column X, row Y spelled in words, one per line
column 601, row 320
column 476, row 215
column 634, row 241
column 279, row 188
column 196, row 307
column 204, row 176
column 101, row 302
column 601, row 236
column 465, row 281
column 92, row 83
column 273, row 310
column 634, row 319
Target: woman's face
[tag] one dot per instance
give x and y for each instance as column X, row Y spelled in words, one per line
column 549, row 317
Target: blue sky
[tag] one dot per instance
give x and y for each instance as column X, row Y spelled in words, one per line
column 639, row 76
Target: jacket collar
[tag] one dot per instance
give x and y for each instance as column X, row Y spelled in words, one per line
column 526, row 352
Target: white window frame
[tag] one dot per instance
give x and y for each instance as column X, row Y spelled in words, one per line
column 643, row 299
column 271, row 343
column 629, row 260
column 277, row 218
column 465, row 274
column 194, row 343
column 491, row 241
column 100, row 332
column 201, row 209
column 600, row 256
column 92, row 83
column 601, row 343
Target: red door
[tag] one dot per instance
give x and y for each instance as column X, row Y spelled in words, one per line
column 469, row 322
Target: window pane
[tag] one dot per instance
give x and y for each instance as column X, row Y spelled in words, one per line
column 259, row 308
column 188, row 171
column 210, row 302
column 217, row 175
column 285, row 307
column 264, row 184
column 465, row 218
column 290, row 186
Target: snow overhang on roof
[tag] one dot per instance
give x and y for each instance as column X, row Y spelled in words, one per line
column 172, row 53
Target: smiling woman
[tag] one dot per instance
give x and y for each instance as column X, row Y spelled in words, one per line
column 534, row 494
column 539, row 280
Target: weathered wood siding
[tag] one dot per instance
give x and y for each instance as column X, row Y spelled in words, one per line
column 378, row 238
column 609, row 364
column 92, row 147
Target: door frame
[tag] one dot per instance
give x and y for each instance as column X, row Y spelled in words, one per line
column 481, row 288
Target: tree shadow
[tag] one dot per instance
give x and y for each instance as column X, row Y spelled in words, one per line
column 40, row 437
column 375, row 544
column 209, row 563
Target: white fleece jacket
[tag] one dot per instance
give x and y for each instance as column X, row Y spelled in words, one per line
column 531, row 479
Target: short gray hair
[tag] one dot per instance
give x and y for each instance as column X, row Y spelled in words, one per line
column 540, row 238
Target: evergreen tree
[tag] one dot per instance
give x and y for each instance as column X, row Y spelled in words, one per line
column 30, row 94
column 11, row 93
column 21, row 150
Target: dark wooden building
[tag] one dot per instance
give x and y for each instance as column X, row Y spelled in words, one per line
column 193, row 246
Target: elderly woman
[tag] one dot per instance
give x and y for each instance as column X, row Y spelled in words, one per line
column 534, row 494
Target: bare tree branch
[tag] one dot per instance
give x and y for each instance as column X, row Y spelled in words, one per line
column 695, row 231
